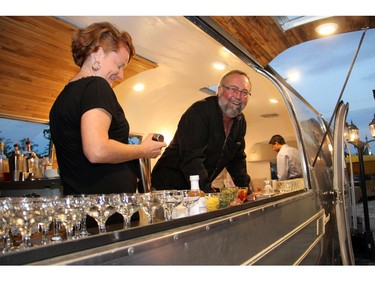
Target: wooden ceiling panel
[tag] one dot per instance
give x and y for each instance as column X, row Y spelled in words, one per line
column 264, row 40
column 36, row 60
column 36, row 63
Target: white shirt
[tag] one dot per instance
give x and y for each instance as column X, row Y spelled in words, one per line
column 288, row 163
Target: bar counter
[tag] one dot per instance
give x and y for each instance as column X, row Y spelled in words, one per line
column 38, row 187
column 239, row 235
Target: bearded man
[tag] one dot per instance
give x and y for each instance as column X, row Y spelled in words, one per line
column 210, row 137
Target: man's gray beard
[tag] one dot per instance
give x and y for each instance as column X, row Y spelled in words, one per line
column 228, row 110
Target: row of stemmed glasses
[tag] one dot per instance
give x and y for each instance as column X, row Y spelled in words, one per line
column 168, row 200
column 105, row 205
column 27, row 213
column 72, row 219
column 24, row 213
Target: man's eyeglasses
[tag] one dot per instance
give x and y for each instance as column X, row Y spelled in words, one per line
column 235, row 90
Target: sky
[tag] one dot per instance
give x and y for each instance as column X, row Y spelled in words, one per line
column 14, row 131
column 323, row 66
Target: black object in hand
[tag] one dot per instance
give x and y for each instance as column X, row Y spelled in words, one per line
column 158, row 137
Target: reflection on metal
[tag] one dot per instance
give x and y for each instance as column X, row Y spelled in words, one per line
column 145, row 167
column 319, row 217
column 320, row 224
column 320, row 229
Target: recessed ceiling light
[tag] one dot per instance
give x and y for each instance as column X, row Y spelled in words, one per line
column 138, row 87
column 219, row 65
column 273, row 100
column 327, row 28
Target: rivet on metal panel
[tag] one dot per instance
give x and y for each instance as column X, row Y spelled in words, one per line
column 207, row 227
column 131, row 251
column 175, row 237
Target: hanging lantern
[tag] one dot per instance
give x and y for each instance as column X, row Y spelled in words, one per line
column 353, row 133
column 372, row 127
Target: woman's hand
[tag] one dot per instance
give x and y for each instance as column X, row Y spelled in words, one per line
column 151, row 147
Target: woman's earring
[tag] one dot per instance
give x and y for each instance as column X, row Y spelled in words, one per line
column 96, row 66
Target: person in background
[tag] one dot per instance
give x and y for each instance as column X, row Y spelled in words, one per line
column 88, row 126
column 210, row 137
column 288, row 159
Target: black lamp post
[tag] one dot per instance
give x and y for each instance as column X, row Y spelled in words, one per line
column 353, row 135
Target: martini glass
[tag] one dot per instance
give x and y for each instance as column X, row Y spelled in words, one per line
column 169, row 200
column 46, row 216
column 70, row 210
column 25, row 216
column 86, row 208
column 56, row 223
column 149, row 204
column 103, row 206
column 79, row 201
column 190, row 198
column 129, row 203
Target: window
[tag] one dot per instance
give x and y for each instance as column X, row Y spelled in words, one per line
column 135, row 138
column 16, row 131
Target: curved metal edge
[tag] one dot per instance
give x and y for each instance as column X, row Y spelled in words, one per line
column 345, row 243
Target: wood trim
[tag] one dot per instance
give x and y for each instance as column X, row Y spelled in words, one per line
column 36, row 63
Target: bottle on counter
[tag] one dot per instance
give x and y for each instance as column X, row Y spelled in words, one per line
column 200, row 207
column 32, row 162
column 27, row 150
column 3, row 162
column 16, row 163
column 46, row 165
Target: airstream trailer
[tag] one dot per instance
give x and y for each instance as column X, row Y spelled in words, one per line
column 305, row 223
